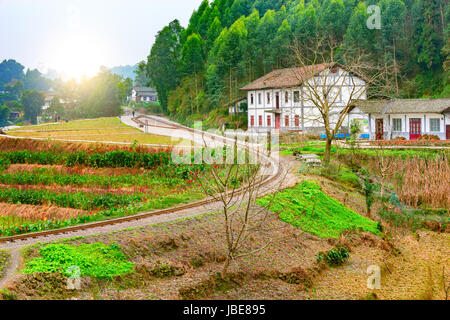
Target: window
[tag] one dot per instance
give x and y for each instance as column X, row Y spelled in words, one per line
column 251, row 98
column 259, row 98
column 286, row 97
column 269, row 122
column 297, row 120
column 296, row 96
column 268, row 97
column 397, row 125
column 260, row 121
column 435, row 125
column 286, row 121
column 252, row 121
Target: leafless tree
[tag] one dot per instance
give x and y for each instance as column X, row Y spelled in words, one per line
column 237, row 187
column 384, row 164
column 322, row 82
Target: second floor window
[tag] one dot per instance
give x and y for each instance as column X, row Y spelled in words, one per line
column 251, row 98
column 286, row 97
column 268, row 97
column 296, row 96
column 259, row 98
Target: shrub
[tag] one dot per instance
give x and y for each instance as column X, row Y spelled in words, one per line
column 334, row 257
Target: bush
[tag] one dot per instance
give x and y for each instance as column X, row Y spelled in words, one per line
column 334, row 257
column 428, row 137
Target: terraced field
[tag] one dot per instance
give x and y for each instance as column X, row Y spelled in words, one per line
column 101, row 130
column 47, row 185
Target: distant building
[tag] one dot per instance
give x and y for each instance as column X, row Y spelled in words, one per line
column 48, row 97
column 13, row 115
column 408, row 118
column 237, row 106
column 143, row 94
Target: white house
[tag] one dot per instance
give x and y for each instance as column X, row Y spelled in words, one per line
column 237, row 106
column 144, row 94
column 282, row 99
column 408, row 118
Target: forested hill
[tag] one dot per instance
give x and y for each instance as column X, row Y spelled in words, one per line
column 229, row 43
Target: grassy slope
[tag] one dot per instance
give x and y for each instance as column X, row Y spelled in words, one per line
column 306, row 206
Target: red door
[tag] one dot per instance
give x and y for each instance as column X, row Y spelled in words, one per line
column 447, row 132
column 379, row 129
column 415, row 128
column 277, row 100
column 277, row 121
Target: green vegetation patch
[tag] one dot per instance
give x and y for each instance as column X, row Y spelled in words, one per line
column 96, row 260
column 306, row 206
column 3, row 262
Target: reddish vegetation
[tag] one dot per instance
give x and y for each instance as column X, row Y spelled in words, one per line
column 425, row 182
column 31, row 212
column 8, row 144
column 426, row 141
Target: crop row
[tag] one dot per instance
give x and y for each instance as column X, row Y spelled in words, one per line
column 112, row 159
column 49, row 177
column 78, row 200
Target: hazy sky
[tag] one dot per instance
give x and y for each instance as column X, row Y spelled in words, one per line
column 76, row 36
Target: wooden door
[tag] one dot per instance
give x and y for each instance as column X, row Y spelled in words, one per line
column 415, row 128
column 447, row 132
column 277, row 121
column 379, row 130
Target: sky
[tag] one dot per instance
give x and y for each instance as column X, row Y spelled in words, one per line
column 78, row 36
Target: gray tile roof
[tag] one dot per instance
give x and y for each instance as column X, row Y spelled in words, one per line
column 144, row 90
column 403, row 106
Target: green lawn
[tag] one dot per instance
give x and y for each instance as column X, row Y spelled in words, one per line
column 306, row 206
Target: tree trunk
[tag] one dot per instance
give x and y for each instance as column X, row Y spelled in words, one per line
column 327, row 154
column 225, row 267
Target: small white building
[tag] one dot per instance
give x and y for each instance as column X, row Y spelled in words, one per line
column 282, row 98
column 237, row 106
column 144, row 94
column 408, row 118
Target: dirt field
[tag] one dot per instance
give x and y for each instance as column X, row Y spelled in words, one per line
column 181, row 260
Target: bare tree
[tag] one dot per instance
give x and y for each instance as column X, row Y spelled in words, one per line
column 329, row 89
column 384, row 164
column 237, row 187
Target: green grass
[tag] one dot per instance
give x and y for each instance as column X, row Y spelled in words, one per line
column 306, row 206
column 96, row 260
column 3, row 262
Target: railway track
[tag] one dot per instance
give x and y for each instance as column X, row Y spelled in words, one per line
column 276, row 172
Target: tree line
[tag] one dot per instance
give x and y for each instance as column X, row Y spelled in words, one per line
column 229, row 43
column 24, row 92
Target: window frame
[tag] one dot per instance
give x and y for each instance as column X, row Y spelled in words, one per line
column 435, row 120
column 296, row 96
column 394, row 128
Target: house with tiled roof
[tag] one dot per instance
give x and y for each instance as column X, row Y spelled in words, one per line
column 409, row 118
column 143, row 94
column 277, row 101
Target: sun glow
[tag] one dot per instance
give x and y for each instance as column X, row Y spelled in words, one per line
column 77, row 56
